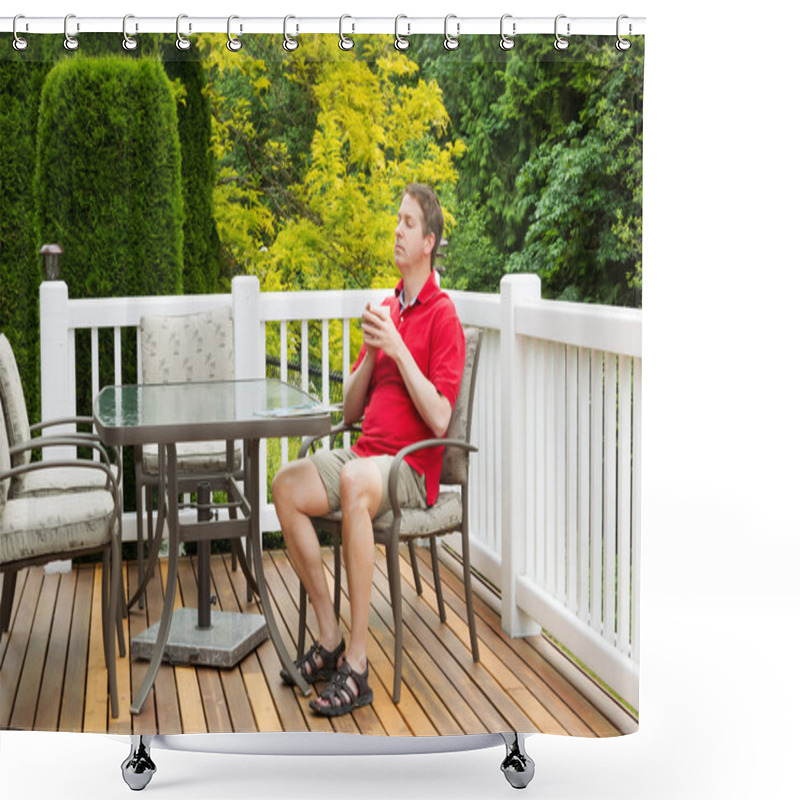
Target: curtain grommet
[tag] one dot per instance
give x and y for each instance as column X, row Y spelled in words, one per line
column 290, row 44
column 507, row 42
column 622, row 44
column 70, row 42
column 128, row 42
column 345, row 42
column 234, row 44
column 19, row 44
column 182, row 43
column 560, row 42
column 451, row 42
column 401, row 43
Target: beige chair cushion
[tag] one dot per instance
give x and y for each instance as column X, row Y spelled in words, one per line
column 58, row 480
column 442, row 517
column 187, row 348
column 33, row 528
column 13, row 399
column 194, row 457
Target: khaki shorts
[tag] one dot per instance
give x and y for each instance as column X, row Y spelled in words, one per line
column 411, row 491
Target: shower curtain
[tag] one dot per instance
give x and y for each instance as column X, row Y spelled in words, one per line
column 167, row 171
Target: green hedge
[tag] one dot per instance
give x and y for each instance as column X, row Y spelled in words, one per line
column 201, row 248
column 108, row 182
column 20, row 267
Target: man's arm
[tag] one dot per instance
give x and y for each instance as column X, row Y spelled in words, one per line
column 433, row 407
column 354, row 390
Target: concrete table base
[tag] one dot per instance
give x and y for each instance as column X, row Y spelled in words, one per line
column 229, row 639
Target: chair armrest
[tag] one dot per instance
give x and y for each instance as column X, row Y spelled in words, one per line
column 39, row 426
column 342, row 427
column 71, row 440
column 411, row 448
column 82, row 463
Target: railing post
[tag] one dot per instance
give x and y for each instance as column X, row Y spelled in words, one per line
column 57, row 365
column 250, row 357
column 57, row 361
column 515, row 483
column 248, row 345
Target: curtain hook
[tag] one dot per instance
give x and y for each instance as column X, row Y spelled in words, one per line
column 400, row 42
column 128, row 42
column 289, row 44
column 451, row 42
column 234, row 43
column 70, row 42
column 182, row 43
column 507, row 42
column 622, row 44
column 561, row 43
column 19, row 43
column 345, row 42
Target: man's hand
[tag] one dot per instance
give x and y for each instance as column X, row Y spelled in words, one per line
column 380, row 332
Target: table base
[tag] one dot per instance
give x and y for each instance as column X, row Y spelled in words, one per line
column 229, row 639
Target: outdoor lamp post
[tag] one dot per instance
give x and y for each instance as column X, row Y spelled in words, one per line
column 52, row 261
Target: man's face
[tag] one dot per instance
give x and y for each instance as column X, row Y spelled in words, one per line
column 411, row 246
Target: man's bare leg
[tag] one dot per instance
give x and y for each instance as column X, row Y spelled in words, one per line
column 298, row 493
column 361, row 491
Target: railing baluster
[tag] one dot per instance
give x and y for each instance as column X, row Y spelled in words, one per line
column 636, row 505
column 572, row 571
column 596, row 477
column 326, row 368
column 304, row 355
column 117, row 354
column 624, row 507
column 560, row 499
column 284, row 377
column 584, row 471
column 610, row 498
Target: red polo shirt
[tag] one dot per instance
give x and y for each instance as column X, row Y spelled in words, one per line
column 432, row 332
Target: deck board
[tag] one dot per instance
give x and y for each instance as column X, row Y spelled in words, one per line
column 52, row 672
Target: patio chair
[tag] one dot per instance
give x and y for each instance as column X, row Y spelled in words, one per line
column 61, row 525
column 450, row 513
column 20, row 431
column 55, row 480
column 184, row 348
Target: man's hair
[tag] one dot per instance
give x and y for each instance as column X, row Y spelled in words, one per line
column 432, row 219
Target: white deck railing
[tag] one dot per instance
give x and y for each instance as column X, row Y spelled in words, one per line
column 555, row 486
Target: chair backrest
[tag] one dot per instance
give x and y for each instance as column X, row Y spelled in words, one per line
column 187, row 347
column 17, row 425
column 455, row 462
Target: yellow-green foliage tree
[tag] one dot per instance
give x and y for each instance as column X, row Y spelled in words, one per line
column 319, row 212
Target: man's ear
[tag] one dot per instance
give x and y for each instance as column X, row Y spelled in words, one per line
column 430, row 241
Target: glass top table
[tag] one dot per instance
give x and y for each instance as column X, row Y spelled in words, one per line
column 164, row 415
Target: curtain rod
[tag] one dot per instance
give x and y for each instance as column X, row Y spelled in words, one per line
column 452, row 25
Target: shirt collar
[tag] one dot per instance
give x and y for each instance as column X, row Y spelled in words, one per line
column 429, row 288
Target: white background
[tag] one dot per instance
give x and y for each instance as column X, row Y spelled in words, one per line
column 719, row 696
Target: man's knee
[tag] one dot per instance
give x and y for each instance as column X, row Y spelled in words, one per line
column 359, row 487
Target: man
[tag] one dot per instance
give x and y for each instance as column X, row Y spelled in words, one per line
column 404, row 383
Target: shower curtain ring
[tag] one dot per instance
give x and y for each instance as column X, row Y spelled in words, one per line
column 451, row 42
column 182, row 43
column 561, row 43
column 128, row 42
column 234, row 43
column 507, row 42
column 289, row 44
column 70, row 42
column 345, row 42
column 400, row 42
column 622, row 44
column 19, row 43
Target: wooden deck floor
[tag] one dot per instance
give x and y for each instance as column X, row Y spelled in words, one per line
column 52, row 675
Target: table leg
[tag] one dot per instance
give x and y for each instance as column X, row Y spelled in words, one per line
column 252, row 489
column 172, row 576
column 155, row 544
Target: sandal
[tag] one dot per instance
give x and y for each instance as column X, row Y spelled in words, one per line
column 326, row 670
column 339, row 689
